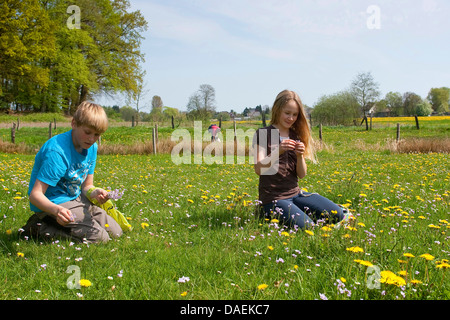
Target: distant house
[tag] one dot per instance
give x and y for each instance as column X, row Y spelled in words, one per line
column 252, row 113
column 375, row 111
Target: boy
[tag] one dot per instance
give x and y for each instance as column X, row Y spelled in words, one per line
column 62, row 175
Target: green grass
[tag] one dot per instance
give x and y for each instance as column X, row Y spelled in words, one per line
column 198, row 221
column 33, row 117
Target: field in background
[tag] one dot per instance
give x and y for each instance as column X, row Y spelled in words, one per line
column 196, row 235
column 122, row 138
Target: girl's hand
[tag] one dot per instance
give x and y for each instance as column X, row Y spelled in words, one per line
column 287, row 145
column 100, row 195
column 299, row 148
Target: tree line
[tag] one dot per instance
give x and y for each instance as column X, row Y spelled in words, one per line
column 54, row 55
column 363, row 99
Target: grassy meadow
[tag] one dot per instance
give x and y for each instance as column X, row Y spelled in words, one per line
column 196, row 234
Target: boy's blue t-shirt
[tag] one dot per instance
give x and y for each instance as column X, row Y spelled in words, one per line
column 60, row 166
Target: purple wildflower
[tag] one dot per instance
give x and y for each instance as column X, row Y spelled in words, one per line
column 115, row 195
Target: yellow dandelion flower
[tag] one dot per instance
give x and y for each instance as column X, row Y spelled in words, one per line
column 274, row 221
column 262, row 286
column 284, row 233
column 184, row 294
column 20, row 254
column 443, row 266
column 270, row 248
column 389, row 277
column 190, row 201
column 355, row 249
column 408, row 255
column 144, row 225
column 85, row 283
column 309, row 232
column 427, row 256
column 416, row 281
column 364, row 262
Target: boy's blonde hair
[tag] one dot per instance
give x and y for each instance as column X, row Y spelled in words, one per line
column 301, row 126
column 91, row 115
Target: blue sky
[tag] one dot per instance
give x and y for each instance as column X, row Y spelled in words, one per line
column 250, row 50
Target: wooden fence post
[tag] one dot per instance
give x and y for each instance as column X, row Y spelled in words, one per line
column 50, row 130
column 398, row 132
column 417, row 123
column 154, row 139
column 132, row 121
column 320, row 132
column 13, row 133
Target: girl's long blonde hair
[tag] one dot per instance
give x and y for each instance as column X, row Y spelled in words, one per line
column 301, row 126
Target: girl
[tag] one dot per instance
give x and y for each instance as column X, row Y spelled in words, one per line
column 280, row 162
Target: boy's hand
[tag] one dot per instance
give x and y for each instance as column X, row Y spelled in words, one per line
column 100, row 195
column 64, row 216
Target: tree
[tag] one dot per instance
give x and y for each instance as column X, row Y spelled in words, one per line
column 394, row 103
column 170, row 112
column 439, row 99
column 136, row 97
column 26, row 38
column 365, row 90
column 337, row 109
column 202, row 103
column 47, row 66
column 410, row 102
column 423, row 109
column 127, row 113
column 157, row 109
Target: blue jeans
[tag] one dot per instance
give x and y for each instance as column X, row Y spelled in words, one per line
column 303, row 209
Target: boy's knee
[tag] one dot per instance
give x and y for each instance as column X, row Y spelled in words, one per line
column 99, row 236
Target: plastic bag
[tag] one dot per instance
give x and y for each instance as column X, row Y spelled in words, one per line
column 111, row 210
